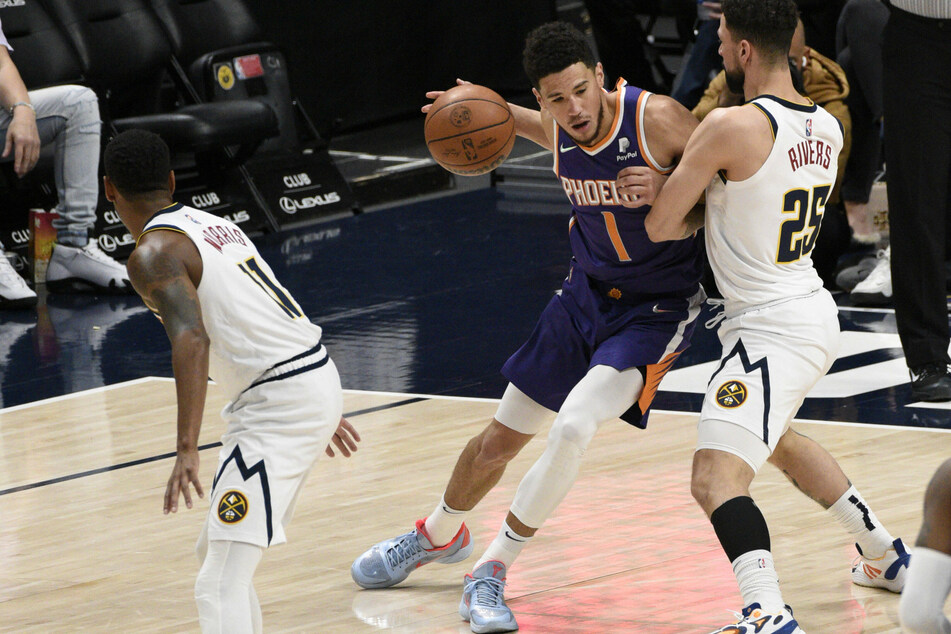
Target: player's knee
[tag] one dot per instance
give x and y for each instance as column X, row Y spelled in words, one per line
column 217, row 596
column 702, row 484
column 495, row 448
column 574, row 430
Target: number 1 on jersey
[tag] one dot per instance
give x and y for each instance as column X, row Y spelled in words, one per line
column 252, row 269
column 610, row 223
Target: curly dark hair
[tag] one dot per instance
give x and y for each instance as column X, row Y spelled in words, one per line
column 137, row 162
column 553, row 47
column 767, row 24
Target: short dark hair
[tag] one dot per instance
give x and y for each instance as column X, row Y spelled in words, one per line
column 553, row 47
column 767, row 24
column 137, row 162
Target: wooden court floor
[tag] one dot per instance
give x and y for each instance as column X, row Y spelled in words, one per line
column 84, row 546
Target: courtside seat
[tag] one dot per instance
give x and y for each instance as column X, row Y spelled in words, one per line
column 124, row 53
column 209, row 36
column 41, row 51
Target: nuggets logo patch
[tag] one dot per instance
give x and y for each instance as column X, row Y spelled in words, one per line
column 233, row 507
column 731, row 394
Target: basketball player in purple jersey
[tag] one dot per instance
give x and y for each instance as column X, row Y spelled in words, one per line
column 602, row 345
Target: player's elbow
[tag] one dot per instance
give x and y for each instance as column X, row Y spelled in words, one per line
column 655, row 228
column 191, row 342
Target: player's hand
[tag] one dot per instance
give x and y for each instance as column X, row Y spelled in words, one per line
column 24, row 140
column 184, row 473
column 434, row 94
column 345, row 438
column 639, row 185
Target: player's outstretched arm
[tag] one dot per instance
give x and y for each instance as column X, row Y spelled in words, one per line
column 159, row 269
column 528, row 122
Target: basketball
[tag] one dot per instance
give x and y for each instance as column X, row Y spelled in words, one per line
column 469, row 130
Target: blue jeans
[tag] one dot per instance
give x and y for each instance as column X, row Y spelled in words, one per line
column 68, row 118
column 702, row 62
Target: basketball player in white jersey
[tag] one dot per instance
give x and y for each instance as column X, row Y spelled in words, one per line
column 767, row 168
column 227, row 318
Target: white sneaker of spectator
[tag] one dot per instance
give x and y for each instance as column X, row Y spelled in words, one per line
column 14, row 292
column 876, row 289
column 85, row 270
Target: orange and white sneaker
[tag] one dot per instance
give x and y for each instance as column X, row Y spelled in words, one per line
column 754, row 620
column 887, row 571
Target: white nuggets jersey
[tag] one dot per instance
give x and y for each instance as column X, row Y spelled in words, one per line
column 760, row 231
column 252, row 322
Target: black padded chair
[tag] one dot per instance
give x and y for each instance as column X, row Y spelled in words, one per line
column 124, row 51
column 41, row 51
column 210, row 37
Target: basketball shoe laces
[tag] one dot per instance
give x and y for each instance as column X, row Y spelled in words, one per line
column 403, row 550
column 488, row 591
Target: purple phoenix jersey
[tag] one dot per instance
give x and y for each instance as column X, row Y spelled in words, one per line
column 607, row 239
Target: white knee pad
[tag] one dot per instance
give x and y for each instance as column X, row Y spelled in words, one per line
column 223, row 590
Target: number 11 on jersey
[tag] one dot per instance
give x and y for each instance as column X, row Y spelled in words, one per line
column 252, row 269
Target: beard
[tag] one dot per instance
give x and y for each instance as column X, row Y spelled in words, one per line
column 735, row 80
column 597, row 127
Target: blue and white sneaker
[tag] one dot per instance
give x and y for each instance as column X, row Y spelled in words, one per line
column 755, row 621
column 483, row 600
column 887, row 571
column 391, row 561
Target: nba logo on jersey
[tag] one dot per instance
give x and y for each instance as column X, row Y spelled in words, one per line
column 808, row 127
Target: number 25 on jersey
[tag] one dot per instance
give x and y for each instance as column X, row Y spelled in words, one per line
column 797, row 235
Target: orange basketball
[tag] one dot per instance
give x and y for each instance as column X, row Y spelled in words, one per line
column 470, row 130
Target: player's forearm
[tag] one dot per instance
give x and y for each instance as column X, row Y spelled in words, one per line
column 190, row 366
column 694, row 221
column 528, row 124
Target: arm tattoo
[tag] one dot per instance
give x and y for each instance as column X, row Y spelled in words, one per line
column 165, row 285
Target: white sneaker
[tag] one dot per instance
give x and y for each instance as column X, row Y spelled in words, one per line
column 84, row 270
column 754, row 620
column 14, row 292
column 876, row 289
column 887, row 571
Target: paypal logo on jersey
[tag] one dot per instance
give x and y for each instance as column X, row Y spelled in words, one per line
column 622, row 144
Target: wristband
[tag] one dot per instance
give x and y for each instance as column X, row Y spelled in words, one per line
column 21, row 103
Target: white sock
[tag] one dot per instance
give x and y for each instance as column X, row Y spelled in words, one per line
column 756, row 576
column 926, row 589
column 444, row 523
column 852, row 512
column 504, row 548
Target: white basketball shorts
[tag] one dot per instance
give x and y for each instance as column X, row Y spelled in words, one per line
column 275, row 432
column 771, row 358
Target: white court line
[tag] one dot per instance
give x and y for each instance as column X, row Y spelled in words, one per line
column 95, row 390
column 469, row 399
